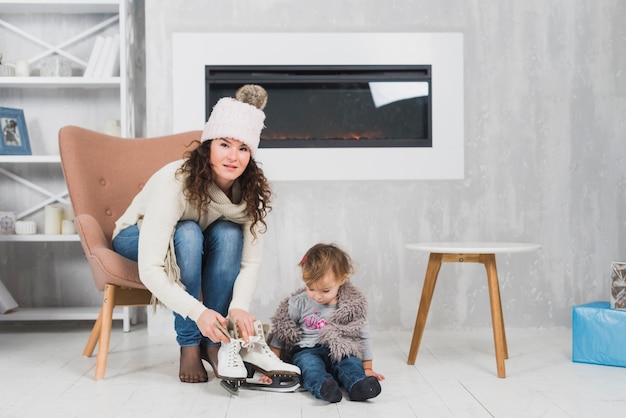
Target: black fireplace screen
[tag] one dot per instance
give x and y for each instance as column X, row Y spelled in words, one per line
column 335, row 106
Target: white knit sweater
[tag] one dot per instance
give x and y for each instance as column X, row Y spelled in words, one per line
column 156, row 209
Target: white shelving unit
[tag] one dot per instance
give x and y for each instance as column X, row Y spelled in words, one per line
column 20, row 159
column 47, row 314
column 33, row 30
column 40, row 238
column 78, row 313
column 58, row 82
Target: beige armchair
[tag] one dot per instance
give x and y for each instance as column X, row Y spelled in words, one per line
column 103, row 174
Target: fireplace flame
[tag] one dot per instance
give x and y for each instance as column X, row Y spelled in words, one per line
column 350, row 136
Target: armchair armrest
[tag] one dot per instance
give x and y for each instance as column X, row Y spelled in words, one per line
column 106, row 265
column 90, row 233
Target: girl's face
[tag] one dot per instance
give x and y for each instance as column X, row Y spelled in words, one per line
column 324, row 291
column 229, row 159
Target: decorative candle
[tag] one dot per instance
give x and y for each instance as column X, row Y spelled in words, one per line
column 67, row 227
column 54, row 216
column 112, row 127
column 68, row 212
column 21, row 69
column 25, row 227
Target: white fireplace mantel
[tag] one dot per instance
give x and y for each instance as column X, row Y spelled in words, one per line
column 444, row 51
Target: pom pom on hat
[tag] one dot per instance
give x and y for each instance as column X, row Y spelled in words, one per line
column 253, row 95
column 240, row 118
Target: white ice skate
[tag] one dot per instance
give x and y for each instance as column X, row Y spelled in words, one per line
column 229, row 363
column 258, row 357
column 230, row 367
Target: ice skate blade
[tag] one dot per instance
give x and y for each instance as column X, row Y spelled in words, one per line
column 251, row 368
column 231, row 386
column 280, row 383
column 270, row 388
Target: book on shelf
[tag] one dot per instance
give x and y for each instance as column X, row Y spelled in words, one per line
column 95, row 55
column 102, row 57
column 104, row 61
column 111, row 64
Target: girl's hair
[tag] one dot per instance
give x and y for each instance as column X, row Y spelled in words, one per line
column 255, row 189
column 321, row 258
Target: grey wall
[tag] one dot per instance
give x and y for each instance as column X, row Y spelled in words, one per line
column 545, row 107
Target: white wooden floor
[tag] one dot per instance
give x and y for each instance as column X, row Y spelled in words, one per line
column 42, row 373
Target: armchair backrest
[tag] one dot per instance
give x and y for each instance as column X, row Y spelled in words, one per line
column 104, row 173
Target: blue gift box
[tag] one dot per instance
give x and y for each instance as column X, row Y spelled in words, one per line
column 599, row 334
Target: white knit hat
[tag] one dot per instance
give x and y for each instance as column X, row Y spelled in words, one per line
column 241, row 118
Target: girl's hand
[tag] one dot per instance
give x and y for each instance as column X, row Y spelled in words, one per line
column 207, row 324
column 370, row 372
column 244, row 322
column 266, row 380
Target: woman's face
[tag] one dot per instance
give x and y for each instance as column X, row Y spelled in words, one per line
column 229, row 159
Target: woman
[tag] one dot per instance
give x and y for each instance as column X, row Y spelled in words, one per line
column 196, row 229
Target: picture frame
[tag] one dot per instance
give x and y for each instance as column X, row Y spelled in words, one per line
column 13, row 133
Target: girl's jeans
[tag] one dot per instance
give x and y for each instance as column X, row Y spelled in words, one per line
column 209, row 262
column 316, row 366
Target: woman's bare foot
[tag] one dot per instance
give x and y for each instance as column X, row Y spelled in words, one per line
column 191, row 368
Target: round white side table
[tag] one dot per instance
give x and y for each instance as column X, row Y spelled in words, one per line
column 466, row 252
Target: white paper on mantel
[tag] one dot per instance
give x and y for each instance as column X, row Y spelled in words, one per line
column 384, row 92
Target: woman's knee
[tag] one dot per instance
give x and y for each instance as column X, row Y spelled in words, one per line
column 188, row 237
column 126, row 243
column 224, row 235
column 225, row 230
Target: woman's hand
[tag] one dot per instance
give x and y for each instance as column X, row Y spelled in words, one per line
column 243, row 321
column 207, row 324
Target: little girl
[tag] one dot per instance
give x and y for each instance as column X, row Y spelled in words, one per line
column 322, row 328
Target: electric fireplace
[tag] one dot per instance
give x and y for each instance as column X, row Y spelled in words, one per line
column 341, row 106
column 335, row 106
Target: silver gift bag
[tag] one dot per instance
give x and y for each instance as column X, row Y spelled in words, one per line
column 618, row 285
column 7, row 303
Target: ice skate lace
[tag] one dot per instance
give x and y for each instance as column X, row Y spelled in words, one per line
column 233, row 352
column 257, row 339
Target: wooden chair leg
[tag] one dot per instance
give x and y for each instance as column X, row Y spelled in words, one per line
column 94, row 336
column 108, row 303
column 432, row 271
column 497, row 317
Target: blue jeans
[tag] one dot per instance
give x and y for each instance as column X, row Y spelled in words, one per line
column 209, row 263
column 316, row 366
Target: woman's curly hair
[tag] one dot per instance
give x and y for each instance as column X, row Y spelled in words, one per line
column 198, row 174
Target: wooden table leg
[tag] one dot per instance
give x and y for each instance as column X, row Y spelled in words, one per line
column 432, row 271
column 497, row 318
